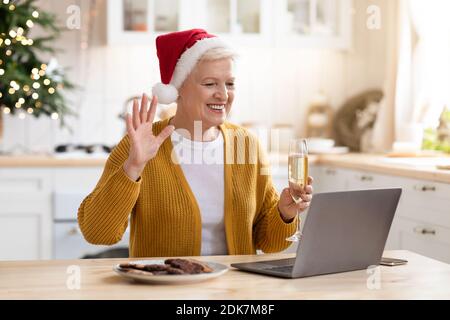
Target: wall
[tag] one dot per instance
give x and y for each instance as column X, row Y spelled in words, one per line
column 275, row 85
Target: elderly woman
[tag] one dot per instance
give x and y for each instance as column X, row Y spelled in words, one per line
column 187, row 195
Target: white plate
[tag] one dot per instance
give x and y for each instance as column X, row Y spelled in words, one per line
column 218, row 270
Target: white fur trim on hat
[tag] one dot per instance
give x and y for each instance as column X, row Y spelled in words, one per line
column 166, row 93
column 169, row 93
column 190, row 57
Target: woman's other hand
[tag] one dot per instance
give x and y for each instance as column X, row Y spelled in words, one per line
column 288, row 207
column 143, row 144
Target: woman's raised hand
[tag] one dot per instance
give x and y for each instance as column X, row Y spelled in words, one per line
column 143, row 144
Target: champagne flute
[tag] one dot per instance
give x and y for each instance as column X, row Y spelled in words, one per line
column 298, row 175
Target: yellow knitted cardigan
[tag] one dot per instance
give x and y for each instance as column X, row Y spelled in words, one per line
column 165, row 217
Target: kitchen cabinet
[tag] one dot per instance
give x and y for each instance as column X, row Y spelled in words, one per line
column 313, row 23
column 422, row 219
column 138, row 21
column 38, row 212
column 330, row 179
column 424, row 237
column 291, row 23
column 25, row 214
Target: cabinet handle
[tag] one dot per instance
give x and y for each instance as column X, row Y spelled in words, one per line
column 424, row 231
column 330, row 172
column 425, row 188
column 366, row 178
column 74, row 231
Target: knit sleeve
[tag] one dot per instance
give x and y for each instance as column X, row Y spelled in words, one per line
column 103, row 214
column 270, row 229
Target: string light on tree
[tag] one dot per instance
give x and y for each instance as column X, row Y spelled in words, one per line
column 14, row 85
column 30, row 83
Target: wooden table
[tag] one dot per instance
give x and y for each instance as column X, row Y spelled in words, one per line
column 421, row 278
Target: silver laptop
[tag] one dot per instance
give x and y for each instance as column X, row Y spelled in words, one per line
column 343, row 231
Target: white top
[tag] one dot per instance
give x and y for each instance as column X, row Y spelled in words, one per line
column 202, row 164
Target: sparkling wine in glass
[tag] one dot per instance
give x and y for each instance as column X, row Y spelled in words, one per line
column 298, row 175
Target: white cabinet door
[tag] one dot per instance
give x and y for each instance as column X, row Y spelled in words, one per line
column 313, row 23
column 25, row 214
column 426, row 201
column 141, row 21
column 424, row 238
column 137, row 22
column 25, row 226
column 332, row 179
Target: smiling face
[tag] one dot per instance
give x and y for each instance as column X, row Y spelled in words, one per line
column 207, row 94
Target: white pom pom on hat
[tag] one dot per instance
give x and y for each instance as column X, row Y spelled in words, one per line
column 178, row 53
column 166, row 93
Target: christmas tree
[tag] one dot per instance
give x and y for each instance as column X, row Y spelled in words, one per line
column 29, row 85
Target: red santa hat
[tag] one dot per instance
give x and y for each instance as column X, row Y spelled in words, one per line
column 178, row 53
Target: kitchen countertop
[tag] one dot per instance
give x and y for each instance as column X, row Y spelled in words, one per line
column 418, row 168
column 421, row 278
column 51, row 161
column 423, row 168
